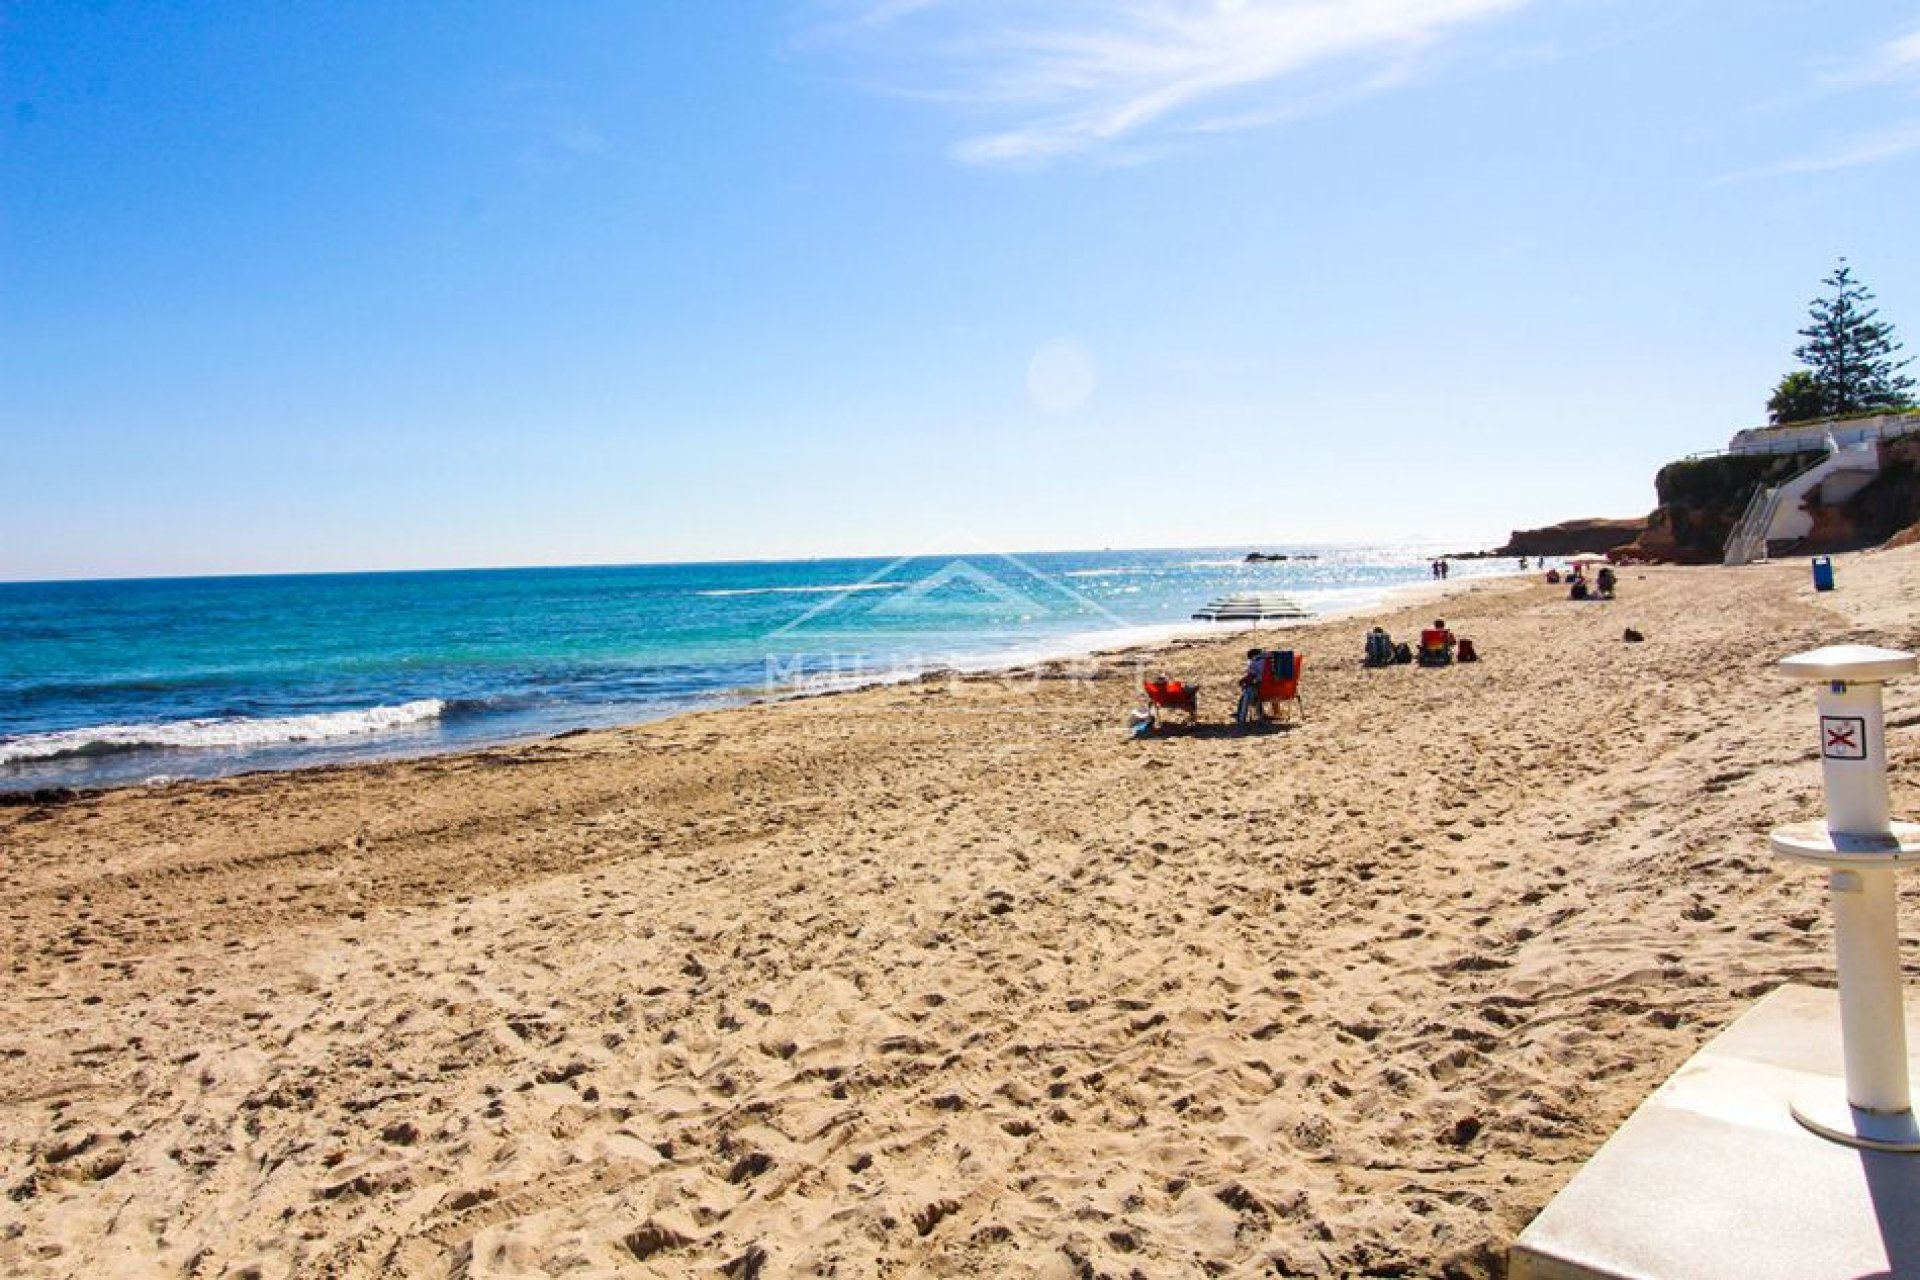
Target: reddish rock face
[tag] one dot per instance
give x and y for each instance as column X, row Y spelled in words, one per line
column 1906, row 537
column 1572, row 537
column 1655, row 545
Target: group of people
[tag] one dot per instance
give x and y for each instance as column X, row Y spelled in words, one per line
column 1600, row 589
column 1439, row 647
column 1439, row 568
column 1578, row 588
column 1271, row 679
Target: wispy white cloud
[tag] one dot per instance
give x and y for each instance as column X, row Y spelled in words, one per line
column 1897, row 59
column 1061, row 77
column 1873, row 148
column 1890, row 68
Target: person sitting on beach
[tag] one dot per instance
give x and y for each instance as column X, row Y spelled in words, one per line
column 1578, row 591
column 1379, row 648
column 1603, row 581
column 1436, row 645
column 1250, row 688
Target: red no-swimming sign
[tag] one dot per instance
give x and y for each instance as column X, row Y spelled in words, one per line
column 1843, row 737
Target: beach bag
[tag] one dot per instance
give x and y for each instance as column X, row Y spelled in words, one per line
column 1465, row 653
column 1402, row 653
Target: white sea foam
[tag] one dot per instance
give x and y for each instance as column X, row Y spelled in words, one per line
column 835, row 589
column 235, row 732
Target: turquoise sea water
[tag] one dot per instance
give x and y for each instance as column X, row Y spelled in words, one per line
column 113, row 682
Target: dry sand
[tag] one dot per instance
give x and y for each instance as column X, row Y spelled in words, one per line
column 942, row 979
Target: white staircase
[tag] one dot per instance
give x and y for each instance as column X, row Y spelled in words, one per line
column 1749, row 540
column 1780, row 510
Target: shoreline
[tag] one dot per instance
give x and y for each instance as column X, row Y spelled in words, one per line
column 1078, row 647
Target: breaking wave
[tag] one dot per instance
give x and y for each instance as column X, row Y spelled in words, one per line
column 229, row 732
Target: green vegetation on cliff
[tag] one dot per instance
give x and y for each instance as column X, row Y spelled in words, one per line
column 1701, row 499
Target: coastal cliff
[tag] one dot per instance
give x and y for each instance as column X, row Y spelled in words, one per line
column 1571, row 537
column 1702, row 499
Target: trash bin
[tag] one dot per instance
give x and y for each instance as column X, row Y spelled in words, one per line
column 1823, row 573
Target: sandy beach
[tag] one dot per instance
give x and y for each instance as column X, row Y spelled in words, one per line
column 952, row 978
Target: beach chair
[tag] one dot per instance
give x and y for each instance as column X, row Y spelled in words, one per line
column 1279, row 690
column 1436, row 647
column 1171, row 695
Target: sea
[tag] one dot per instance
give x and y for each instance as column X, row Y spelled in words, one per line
column 109, row 683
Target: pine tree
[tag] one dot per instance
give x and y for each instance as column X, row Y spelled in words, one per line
column 1851, row 352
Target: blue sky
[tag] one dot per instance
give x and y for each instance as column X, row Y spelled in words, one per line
column 359, row 285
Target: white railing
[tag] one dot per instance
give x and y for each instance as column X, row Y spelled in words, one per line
column 1796, row 436
column 1748, row 541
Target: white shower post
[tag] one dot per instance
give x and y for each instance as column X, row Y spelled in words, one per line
column 1861, row 848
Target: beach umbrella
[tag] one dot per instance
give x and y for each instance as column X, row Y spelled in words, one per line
column 1588, row 557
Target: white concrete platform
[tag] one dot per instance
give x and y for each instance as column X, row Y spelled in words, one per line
column 1713, row 1179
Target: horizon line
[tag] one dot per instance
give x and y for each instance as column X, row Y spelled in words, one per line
column 1243, row 547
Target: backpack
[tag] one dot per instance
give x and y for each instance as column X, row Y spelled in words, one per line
column 1402, row 652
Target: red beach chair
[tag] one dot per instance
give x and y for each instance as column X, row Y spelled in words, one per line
column 1279, row 690
column 1171, row 695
